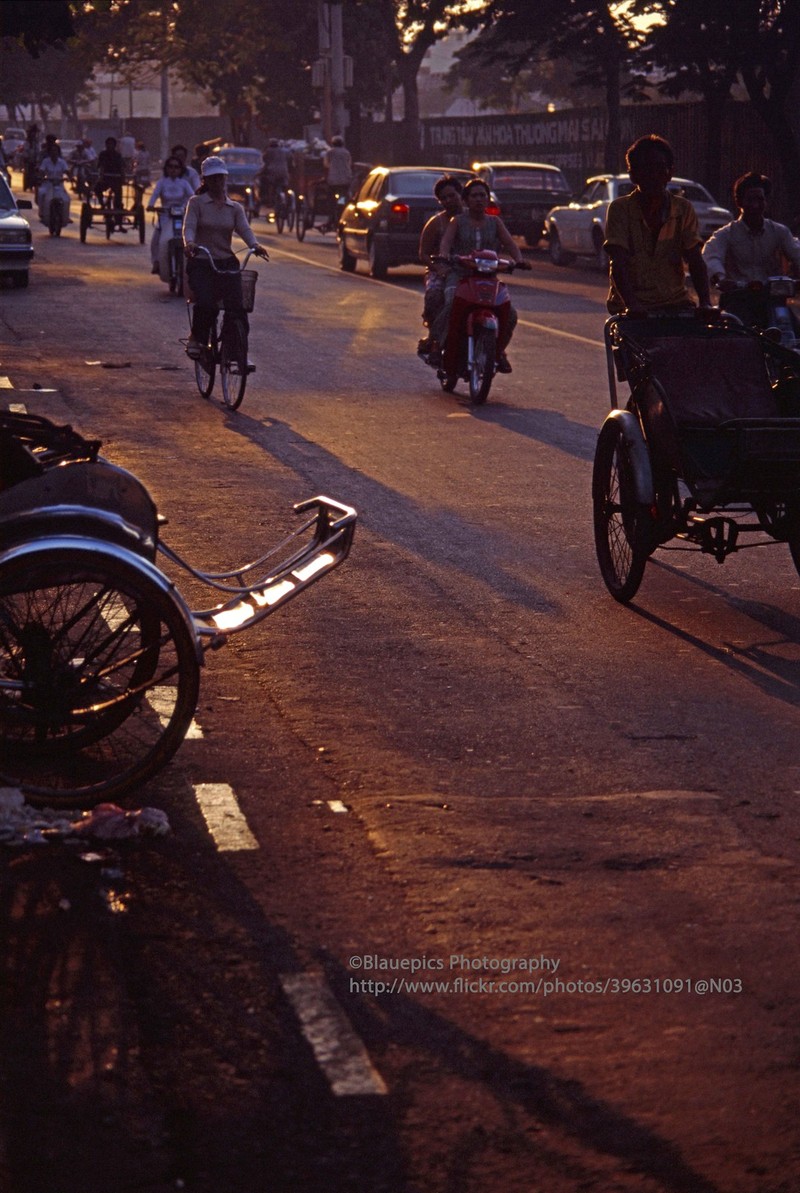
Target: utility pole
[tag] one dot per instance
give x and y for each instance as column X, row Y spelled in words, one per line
column 334, row 70
column 164, row 112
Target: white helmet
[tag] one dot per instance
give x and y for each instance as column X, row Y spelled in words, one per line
column 213, row 165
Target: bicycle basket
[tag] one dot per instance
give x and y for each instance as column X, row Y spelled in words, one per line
column 249, row 277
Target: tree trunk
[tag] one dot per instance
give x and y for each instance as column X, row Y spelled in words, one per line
column 716, row 102
column 612, row 154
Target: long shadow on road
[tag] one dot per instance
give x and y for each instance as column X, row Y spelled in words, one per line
column 441, row 536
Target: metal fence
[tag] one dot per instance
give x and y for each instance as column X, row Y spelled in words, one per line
column 574, row 140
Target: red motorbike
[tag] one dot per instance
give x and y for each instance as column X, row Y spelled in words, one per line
column 478, row 327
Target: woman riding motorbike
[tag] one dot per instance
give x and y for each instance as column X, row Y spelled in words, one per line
column 52, row 172
column 471, row 230
column 210, row 222
column 170, row 191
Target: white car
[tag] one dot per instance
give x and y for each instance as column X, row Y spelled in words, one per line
column 16, row 248
column 578, row 229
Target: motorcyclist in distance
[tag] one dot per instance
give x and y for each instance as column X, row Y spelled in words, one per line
column 750, row 249
column 448, row 191
column 52, row 172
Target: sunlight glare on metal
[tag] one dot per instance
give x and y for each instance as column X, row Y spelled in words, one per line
column 230, row 619
column 322, row 561
column 271, row 595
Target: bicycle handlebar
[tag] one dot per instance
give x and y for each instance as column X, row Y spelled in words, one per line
column 200, row 248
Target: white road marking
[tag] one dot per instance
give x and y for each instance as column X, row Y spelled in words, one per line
column 5, row 383
column 553, row 331
column 162, row 702
column 222, row 814
column 338, row 1050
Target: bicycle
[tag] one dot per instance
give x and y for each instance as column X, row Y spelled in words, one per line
column 227, row 345
column 284, row 209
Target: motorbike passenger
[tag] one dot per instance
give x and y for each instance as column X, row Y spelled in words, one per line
column 211, row 220
column 749, row 250
column 187, row 171
column 474, row 229
column 274, row 175
column 448, row 191
column 52, row 172
column 649, row 235
column 170, row 191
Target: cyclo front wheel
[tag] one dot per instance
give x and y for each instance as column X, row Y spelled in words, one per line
column 301, row 226
column 623, row 526
column 233, row 363
column 98, row 673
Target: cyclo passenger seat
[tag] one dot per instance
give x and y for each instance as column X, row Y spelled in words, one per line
column 53, row 483
column 710, row 408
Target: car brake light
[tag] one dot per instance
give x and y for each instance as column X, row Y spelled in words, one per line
column 398, row 213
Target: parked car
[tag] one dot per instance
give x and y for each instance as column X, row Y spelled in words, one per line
column 525, row 192
column 382, row 223
column 16, row 248
column 579, row 228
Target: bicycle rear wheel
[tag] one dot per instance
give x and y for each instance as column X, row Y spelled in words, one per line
column 233, row 364
column 98, row 674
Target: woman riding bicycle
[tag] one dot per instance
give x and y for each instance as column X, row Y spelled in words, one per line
column 210, row 221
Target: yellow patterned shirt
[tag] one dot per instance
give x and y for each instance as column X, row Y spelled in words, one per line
column 657, row 265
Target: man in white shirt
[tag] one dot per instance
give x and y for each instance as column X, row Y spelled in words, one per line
column 751, row 249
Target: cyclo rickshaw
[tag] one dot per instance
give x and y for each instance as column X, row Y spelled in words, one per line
column 99, row 206
column 314, row 198
column 99, row 653
column 706, row 450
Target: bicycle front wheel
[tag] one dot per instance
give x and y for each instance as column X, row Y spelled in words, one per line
column 98, row 675
column 233, row 364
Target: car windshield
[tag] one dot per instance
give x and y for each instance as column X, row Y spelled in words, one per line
column 692, row 191
column 523, row 178
column 241, row 157
column 421, row 183
column 6, row 198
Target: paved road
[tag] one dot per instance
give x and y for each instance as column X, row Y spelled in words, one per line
column 457, row 760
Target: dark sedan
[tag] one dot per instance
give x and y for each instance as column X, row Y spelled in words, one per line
column 525, row 191
column 382, row 223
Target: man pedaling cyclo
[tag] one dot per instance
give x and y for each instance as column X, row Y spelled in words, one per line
column 650, row 233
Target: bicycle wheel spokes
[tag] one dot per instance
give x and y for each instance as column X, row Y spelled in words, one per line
column 98, row 677
column 233, row 364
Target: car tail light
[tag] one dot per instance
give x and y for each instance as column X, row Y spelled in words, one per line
column 398, row 213
column 493, row 208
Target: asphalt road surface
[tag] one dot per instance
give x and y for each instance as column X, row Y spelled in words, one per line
column 477, row 880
